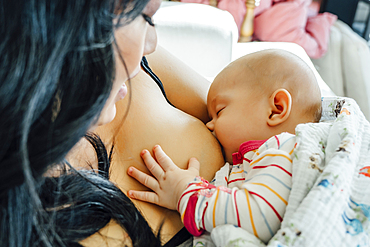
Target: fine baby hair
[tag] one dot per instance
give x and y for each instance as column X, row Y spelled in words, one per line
column 276, row 68
column 261, row 95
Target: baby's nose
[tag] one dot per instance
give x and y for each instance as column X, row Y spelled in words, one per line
column 210, row 125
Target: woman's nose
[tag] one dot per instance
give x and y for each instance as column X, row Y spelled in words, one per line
column 210, row 125
column 150, row 40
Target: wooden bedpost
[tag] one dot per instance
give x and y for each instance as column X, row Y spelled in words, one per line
column 213, row 3
column 246, row 31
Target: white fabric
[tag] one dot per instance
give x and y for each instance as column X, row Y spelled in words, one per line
column 200, row 35
column 329, row 66
column 346, row 65
column 329, row 204
column 231, row 236
column 205, row 38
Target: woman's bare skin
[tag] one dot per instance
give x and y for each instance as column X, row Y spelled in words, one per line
column 150, row 121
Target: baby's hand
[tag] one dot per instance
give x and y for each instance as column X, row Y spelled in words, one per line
column 169, row 181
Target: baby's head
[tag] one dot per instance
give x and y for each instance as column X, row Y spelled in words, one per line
column 261, row 95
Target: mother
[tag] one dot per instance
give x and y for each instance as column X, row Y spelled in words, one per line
column 63, row 66
column 152, row 120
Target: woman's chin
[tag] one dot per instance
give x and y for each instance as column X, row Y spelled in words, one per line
column 107, row 115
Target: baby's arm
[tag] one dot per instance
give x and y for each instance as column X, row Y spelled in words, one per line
column 257, row 200
column 257, row 204
column 253, row 205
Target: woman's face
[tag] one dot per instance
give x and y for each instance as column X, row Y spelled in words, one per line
column 134, row 40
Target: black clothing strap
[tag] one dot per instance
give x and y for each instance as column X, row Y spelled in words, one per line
column 147, row 69
column 179, row 238
column 183, row 234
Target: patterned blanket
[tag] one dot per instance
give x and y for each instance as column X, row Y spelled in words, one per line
column 329, row 204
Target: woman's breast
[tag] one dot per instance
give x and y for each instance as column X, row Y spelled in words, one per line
column 150, row 120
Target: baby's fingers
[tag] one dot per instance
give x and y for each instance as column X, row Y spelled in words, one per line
column 143, row 178
column 152, row 164
column 145, row 196
column 163, row 159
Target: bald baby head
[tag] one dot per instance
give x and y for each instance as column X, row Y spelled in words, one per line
column 266, row 71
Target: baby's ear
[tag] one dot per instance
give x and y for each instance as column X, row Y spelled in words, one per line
column 280, row 103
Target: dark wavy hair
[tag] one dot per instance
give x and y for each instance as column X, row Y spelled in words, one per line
column 56, row 72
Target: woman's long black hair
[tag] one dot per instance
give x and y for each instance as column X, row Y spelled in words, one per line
column 56, row 72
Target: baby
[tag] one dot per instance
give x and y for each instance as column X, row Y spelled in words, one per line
column 254, row 104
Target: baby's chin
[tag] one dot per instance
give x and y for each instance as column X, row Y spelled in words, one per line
column 228, row 157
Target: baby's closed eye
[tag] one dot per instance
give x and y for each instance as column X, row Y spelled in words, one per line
column 219, row 111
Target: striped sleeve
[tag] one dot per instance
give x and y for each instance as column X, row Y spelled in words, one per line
column 257, row 204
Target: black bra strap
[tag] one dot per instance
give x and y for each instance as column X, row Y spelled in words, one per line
column 147, row 69
column 179, row 238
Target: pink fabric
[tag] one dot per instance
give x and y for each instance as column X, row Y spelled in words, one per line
column 245, row 148
column 285, row 21
column 289, row 21
column 189, row 217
